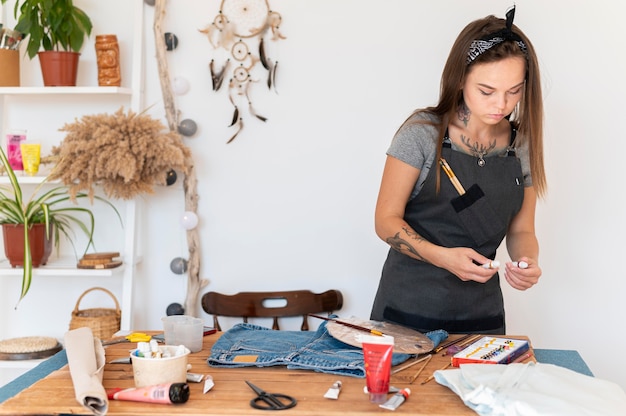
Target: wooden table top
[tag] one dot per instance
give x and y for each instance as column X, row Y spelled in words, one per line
column 54, row 394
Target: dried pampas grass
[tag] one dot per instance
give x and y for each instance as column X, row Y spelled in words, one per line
column 124, row 153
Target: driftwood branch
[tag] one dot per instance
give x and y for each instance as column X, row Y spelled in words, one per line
column 190, row 183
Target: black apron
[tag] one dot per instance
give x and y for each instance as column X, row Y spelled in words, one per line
column 417, row 294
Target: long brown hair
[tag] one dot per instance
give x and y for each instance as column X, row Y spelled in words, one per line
column 528, row 116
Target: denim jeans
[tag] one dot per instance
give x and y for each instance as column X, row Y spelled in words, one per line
column 247, row 345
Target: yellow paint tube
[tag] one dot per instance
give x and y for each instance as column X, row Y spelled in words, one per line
column 31, row 156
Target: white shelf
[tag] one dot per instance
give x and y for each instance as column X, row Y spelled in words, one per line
column 26, row 180
column 65, row 266
column 65, row 90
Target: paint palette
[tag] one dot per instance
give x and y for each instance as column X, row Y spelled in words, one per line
column 406, row 340
column 491, row 350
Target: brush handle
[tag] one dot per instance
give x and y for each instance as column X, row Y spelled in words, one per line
column 360, row 328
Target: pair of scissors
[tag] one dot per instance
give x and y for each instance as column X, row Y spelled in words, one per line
column 134, row 337
column 270, row 401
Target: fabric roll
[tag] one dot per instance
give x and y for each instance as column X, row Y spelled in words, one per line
column 86, row 359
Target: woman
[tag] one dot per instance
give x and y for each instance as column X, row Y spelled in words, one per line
column 485, row 135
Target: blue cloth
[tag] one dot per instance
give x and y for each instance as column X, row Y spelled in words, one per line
column 565, row 358
column 247, row 345
column 27, row 379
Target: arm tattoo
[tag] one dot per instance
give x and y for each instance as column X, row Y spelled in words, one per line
column 400, row 244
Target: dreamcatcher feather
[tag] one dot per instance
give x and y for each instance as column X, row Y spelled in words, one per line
column 236, row 118
column 242, row 30
column 250, row 107
column 217, row 76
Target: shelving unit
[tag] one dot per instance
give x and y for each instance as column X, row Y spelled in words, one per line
column 65, row 90
column 21, row 105
column 66, row 266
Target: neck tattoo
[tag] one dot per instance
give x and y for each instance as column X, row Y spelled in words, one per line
column 478, row 149
column 463, row 114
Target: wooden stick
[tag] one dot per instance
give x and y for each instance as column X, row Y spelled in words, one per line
column 464, row 343
column 433, row 374
column 418, row 360
column 453, row 179
column 522, row 358
column 348, row 324
column 190, row 183
column 449, row 343
column 420, row 370
column 470, row 340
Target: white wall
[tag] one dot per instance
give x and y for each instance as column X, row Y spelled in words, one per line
column 289, row 203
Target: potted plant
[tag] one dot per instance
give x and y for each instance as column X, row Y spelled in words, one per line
column 56, row 31
column 47, row 210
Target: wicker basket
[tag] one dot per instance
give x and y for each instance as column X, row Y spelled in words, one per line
column 103, row 322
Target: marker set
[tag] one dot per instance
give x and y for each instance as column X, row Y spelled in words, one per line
column 491, row 350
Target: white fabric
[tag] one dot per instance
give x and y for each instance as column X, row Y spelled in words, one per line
column 85, row 356
column 532, row 390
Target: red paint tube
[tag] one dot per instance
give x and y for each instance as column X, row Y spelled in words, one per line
column 170, row 393
column 377, row 352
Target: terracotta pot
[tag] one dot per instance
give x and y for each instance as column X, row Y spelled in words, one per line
column 59, row 68
column 40, row 247
column 9, row 68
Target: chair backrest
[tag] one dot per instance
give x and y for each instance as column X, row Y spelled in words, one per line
column 256, row 305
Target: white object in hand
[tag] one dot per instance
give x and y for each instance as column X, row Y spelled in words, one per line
column 494, row 264
column 520, row 264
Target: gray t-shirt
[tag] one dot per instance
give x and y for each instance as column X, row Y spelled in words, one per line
column 415, row 143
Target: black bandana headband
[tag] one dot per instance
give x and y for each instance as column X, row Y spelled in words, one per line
column 480, row 46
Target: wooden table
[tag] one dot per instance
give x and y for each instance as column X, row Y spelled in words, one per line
column 54, row 394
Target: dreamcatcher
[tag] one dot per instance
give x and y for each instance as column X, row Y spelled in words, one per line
column 242, row 35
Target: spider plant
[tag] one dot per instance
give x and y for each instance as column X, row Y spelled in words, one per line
column 47, row 207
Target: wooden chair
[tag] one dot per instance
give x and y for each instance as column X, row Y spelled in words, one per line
column 253, row 305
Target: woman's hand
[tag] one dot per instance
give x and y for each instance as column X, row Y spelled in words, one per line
column 466, row 264
column 522, row 278
column 522, row 244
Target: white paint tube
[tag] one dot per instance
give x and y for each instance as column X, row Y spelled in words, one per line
column 333, row 391
column 396, row 400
